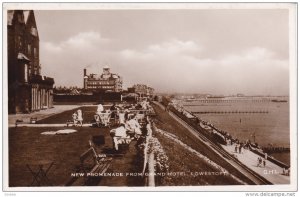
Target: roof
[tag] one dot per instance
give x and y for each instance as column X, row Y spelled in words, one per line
column 26, row 15
column 10, row 16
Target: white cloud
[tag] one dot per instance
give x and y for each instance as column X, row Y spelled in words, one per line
column 66, row 59
column 170, row 48
column 85, row 39
column 174, row 47
column 175, row 66
column 49, row 46
column 82, row 40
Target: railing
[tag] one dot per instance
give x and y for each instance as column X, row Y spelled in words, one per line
column 148, row 167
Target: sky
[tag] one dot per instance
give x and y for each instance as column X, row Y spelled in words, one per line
column 218, row 51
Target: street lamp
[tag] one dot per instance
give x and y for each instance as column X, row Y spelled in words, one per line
column 253, row 135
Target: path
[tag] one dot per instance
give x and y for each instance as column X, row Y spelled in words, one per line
column 271, row 171
column 40, row 114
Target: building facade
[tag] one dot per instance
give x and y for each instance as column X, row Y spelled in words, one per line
column 107, row 81
column 28, row 90
column 143, row 90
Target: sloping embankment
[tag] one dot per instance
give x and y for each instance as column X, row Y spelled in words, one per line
column 185, row 166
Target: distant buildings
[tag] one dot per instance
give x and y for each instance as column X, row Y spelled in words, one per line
column 107, row 81
column 28, row 90
column 143, row 90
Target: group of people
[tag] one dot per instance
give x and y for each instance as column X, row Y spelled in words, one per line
column 133, row 123
column 102, row 116
column 120, row 113
column 77, row 118
column 130, row 130
column 286, row 171
column 261, row 162
column 238, row 148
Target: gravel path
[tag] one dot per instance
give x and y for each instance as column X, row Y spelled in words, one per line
column 40, row 114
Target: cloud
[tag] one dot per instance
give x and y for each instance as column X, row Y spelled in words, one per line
column 172, row 66
column 80, row 41
column 169, row 48
column 66, row 59
column 176, row 66
column 85, row 39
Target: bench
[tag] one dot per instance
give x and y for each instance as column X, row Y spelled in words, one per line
column 70, row 122
column 18, row 121
column 33, row 120
column 92, row 162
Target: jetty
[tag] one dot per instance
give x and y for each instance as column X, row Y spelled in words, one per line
column 230, row 112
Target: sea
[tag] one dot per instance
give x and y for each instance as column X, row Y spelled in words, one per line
column 258, row 119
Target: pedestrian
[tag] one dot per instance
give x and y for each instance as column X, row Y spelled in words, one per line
column 240, row 148
column 79, row 117
column 264, row 163
column 266, row 156
column 100, row 108
column 258, row 161
column 74, row 117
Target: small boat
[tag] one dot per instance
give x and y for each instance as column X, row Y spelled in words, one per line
column 277, row 100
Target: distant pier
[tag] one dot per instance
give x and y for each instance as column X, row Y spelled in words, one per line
column 229, row 112
column 272, row 149
column 234, row 100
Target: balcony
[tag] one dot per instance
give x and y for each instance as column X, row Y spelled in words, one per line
column 41, row 79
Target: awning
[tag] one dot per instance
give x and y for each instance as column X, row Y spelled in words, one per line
column 21, row 56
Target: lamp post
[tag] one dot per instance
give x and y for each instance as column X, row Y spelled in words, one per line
column 253, row 135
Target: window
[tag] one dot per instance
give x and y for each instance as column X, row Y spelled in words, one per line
column 26, row 73
column 35, row 52
column 29, row 49
column 29, row 70
column 35, row 69
column 20, row 43
column 20, row 18
column 33, row 31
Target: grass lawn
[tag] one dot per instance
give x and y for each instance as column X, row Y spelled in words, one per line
column 28, row 146
column 88, row 113
column 184, row 162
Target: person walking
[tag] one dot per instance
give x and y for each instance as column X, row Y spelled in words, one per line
column 240, row 148
column 79, row 117
column 74, row 117
column 264, row 163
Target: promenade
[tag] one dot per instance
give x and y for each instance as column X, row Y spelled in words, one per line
column 271, row 171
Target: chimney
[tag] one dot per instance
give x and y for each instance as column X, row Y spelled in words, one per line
column 84, row 72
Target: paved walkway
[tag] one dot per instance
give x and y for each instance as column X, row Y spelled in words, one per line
column 271, row 171
column 40, row 114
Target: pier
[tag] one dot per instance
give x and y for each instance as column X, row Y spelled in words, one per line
column 272, row 149
column 230, row 112
column 231, row 100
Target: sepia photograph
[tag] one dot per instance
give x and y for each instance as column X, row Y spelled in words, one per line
column 150, row 96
